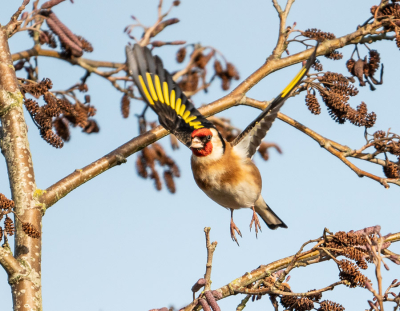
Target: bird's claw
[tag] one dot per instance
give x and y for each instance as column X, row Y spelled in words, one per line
column 256, row 221
column 233, row 234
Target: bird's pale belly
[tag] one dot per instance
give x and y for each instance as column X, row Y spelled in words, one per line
column 230, row 195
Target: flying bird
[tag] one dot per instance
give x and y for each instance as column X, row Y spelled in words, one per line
column 223, row 170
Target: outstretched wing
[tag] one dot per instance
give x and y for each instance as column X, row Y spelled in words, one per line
column 250, row 139
column 175, row 112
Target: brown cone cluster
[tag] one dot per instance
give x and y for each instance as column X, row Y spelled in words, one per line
column 190, row 81
column 195, row 78
column 6, row 207
column 391, row 170
column 36, row 89
column 388, row 10
column 351, row 273
column 146, row 166
column 336, row 94
column 226, row 75
column 388, row 143
column 57, row 113
column 354, row 246
column 46, row 37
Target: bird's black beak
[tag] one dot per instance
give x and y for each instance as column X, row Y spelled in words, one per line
column 197, row 143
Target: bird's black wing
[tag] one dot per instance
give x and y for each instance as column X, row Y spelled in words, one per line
column 250, row 139
column 175, row 112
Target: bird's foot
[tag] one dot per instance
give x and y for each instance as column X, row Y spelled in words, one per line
column 233, row 234
column 256, row 221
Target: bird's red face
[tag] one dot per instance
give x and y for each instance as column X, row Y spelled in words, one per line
column 201, row 142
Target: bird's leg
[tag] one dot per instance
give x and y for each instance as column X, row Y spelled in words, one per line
column 256, row 221
column 233, row 229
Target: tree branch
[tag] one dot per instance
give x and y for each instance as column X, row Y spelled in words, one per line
column 37, row 51
column 210, row 252
column 308, row 258
column 338, row 150
column 9, row 263
column 236, row 97
column 281, row 45
column 279, row 292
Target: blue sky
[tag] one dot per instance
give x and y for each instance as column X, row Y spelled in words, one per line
column 116, row 243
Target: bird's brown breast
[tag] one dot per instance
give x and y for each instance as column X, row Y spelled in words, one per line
column 230, row 181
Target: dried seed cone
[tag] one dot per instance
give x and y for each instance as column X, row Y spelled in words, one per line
column 296, row 303
column 231, row 71
column 218, row 67
column 6, row 204
column 317, row 65
column 91, row 127
column 86, row 45
column 30, row 230
column 62, row 129
column 379, row 134
column 349, row 272
column 312, row 104
column 190, row 82
column 125, row 105
column 1, row 233
column 226, row 83
column 335, row 55
column 328, row 305
column 32, row 106
column 316, row 297
column 374, row 61
column 9, row 226
column 180, row 55
column 141, row 166
column 391, row 170
column 157, row 181
column 317, row 34
column 350, row 65
column 52, row 138
column 169, row 181
column 201, row 60
column 357, row 255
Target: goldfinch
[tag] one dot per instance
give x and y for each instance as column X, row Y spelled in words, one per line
column 224, row 171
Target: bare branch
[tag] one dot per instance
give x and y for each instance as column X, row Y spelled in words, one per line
column 210, row 252
column 9, row 263
column 239, row 284
column 278, row 292
column 338, row 150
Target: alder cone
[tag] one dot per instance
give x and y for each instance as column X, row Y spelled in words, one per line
column 9, row 226
column 30, row 230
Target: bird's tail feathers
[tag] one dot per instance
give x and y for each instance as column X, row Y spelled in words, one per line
column 267, row 214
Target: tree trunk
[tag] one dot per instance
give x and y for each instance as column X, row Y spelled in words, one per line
column 26, row 287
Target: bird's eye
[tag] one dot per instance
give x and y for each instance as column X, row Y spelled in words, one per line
column 209, row 137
